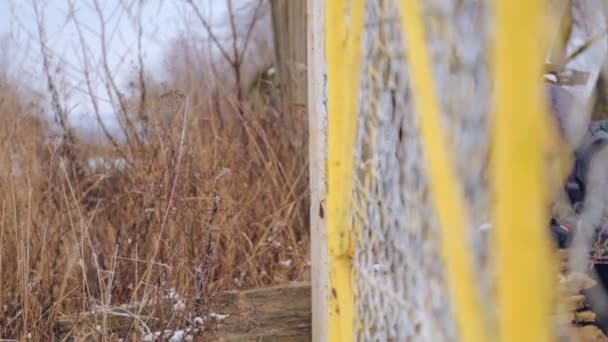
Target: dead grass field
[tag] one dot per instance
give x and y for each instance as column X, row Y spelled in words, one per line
column 198, row 194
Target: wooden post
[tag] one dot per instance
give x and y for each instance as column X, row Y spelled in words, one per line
column 318, row 152
column 289, row 26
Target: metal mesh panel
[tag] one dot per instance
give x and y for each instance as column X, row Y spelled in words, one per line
column 399, row 277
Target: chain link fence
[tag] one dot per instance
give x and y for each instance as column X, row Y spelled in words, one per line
column 399, row 275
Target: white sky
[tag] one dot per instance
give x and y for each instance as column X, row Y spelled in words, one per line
column 162, row 20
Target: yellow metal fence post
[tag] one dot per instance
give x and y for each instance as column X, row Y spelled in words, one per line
column 521, row 239
column 343, row 48
column 446, row 196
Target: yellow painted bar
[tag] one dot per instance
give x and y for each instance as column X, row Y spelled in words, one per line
column 520, row 214
column 445, row 193
column 343, row 48
column 335, row 41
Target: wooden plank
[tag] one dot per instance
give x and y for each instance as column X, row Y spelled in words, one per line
column 281, row 313
column 317, row 148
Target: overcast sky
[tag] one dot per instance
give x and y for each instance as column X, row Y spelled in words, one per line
column 161, row 21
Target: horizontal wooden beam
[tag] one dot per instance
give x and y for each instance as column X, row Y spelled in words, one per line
column 281, row 313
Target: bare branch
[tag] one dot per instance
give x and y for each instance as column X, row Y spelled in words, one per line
column 209, row 31
column 142, row 84
column 60, row 113
column 235, row 34
column 87, row 74
column 254, row 20
column 111, row 86
column 236, row 61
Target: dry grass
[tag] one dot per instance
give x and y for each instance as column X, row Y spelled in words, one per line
column 212, row 196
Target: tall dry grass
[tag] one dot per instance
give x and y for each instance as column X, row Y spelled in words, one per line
column 200, row 194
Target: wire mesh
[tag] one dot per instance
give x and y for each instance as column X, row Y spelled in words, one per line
column 399, row 276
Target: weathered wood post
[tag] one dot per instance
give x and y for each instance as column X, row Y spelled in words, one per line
column 289, row 27
column 317, row 151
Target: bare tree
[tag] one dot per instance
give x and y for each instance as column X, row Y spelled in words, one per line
column 239, row 44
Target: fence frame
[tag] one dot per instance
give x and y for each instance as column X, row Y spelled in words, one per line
column 521, row 236
column 317, row 149
column 333, row 319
